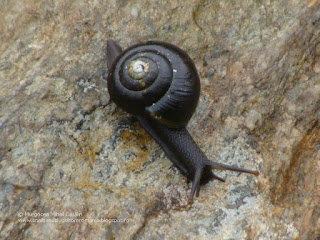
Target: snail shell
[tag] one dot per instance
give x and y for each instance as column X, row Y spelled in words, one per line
column 156, row 79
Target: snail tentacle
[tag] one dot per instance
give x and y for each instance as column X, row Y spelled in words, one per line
column 220, row 166
column 195, row 183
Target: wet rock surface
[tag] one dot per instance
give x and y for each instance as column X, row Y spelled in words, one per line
column 68, row 155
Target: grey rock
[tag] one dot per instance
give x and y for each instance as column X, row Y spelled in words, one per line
column 68, row 155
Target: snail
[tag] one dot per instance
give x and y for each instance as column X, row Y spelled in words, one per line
column 159, row 84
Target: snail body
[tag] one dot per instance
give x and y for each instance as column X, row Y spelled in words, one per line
column 159, row 84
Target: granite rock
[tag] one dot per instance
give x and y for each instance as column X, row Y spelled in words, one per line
column 75, row 166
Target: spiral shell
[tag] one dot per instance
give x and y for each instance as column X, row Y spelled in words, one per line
column 156, row 79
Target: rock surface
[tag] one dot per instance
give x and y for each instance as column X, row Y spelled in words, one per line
column 65, row 151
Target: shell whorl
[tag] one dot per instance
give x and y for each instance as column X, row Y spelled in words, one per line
column 156, row 79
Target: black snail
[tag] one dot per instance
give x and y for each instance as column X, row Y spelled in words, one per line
column 158, row 83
